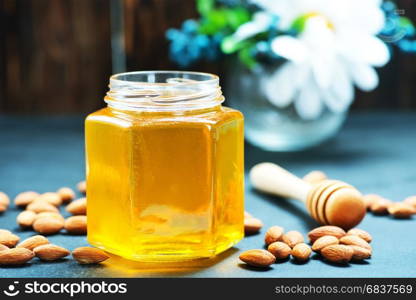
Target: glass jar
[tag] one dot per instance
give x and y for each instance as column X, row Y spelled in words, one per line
column 165, row 170
column 273, row 128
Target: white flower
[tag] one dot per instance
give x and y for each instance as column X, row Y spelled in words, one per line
column 337, row 47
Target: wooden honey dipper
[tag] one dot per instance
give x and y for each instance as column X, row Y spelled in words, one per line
column 330, row 202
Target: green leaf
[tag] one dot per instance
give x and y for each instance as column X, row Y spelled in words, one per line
column 213, row 22
column 205, row 6
column 405, row 22
column 230, row 45
column 237, row 16
column 247, row 58
column 299, row 23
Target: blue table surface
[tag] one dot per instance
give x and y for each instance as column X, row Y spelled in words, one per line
column 376, row 152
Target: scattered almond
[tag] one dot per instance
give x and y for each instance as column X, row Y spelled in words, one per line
column 66, row 194
column 41, row 206
column 292, row 238
column 301, row 252
column 247, row 215
column 380, row 207
column 3, row 247
column 252, row 225
column 82, row 187
column 273, row 234
column 360, row 253
column 370, row 199
column 15, row 256
column 361, row 233
column 78, row 207
column 25, row 198
column 8, row 239
column 49, row 214
column 26, row 218
column 257, row 258
column 4, row 199
column 48, row 226
column 411, row 201
column 50, row 252
column 401, row 210
column 354, row 240
column 315, row 177
column 325, row 230
column 89, row 255
column 51, row 198
column 76, row 224
column 280, row 250
column 324, row 241
column 33, row 242
column 340, row 254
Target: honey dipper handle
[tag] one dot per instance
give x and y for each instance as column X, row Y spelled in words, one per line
column 272, row 179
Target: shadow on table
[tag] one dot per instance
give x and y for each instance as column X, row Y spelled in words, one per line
column 118, row 266
column 289, row 206
column 331, row 151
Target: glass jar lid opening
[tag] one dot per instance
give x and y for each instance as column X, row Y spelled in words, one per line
column 164, row 91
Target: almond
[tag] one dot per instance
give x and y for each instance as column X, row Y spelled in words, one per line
column 49, row 214
column 51, row 198
column 50, row 252
column 66, row 194
column 82, row 187
column 41, row 206
column 15, row 256
column 89, row 255
column 273, row 234
column 26, row 218
column 292, row 238
column 315, row 177
column 401, row 210
column 258, row 258
column 247, row 215
column 411, row 201
column 4, row 199
column 325, row 230
column 354, row 240
column 3, row 247
column 340, row 254
column 48, row 226
column 76, row 225
column 252, row 225
column 8, row 239
column 361, row 233
column 324, row 241
column 380, row 206
column 78, row 207
column 370, row 199
column 280, row 250
column 360, row 253
column 33, row 242
column 301, row 252
column 25, row 198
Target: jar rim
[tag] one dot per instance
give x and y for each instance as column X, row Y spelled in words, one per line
column 212, row 77
column 164, row 90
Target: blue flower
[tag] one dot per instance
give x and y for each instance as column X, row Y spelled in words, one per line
column 187, row 45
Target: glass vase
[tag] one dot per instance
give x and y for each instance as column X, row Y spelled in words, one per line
column 270, row 127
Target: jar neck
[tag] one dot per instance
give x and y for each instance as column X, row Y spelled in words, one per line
column 164, row 91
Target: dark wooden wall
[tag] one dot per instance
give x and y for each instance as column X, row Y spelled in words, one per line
column 55, row 55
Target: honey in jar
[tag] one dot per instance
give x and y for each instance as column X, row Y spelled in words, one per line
column 165, row 170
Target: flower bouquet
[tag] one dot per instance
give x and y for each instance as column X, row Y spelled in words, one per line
column 295, row 63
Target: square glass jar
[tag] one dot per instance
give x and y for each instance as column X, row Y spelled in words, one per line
column 165, row 170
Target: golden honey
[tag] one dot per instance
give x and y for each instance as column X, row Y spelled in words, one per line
column 164, row 168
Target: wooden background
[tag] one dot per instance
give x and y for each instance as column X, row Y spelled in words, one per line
column 55, row 55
